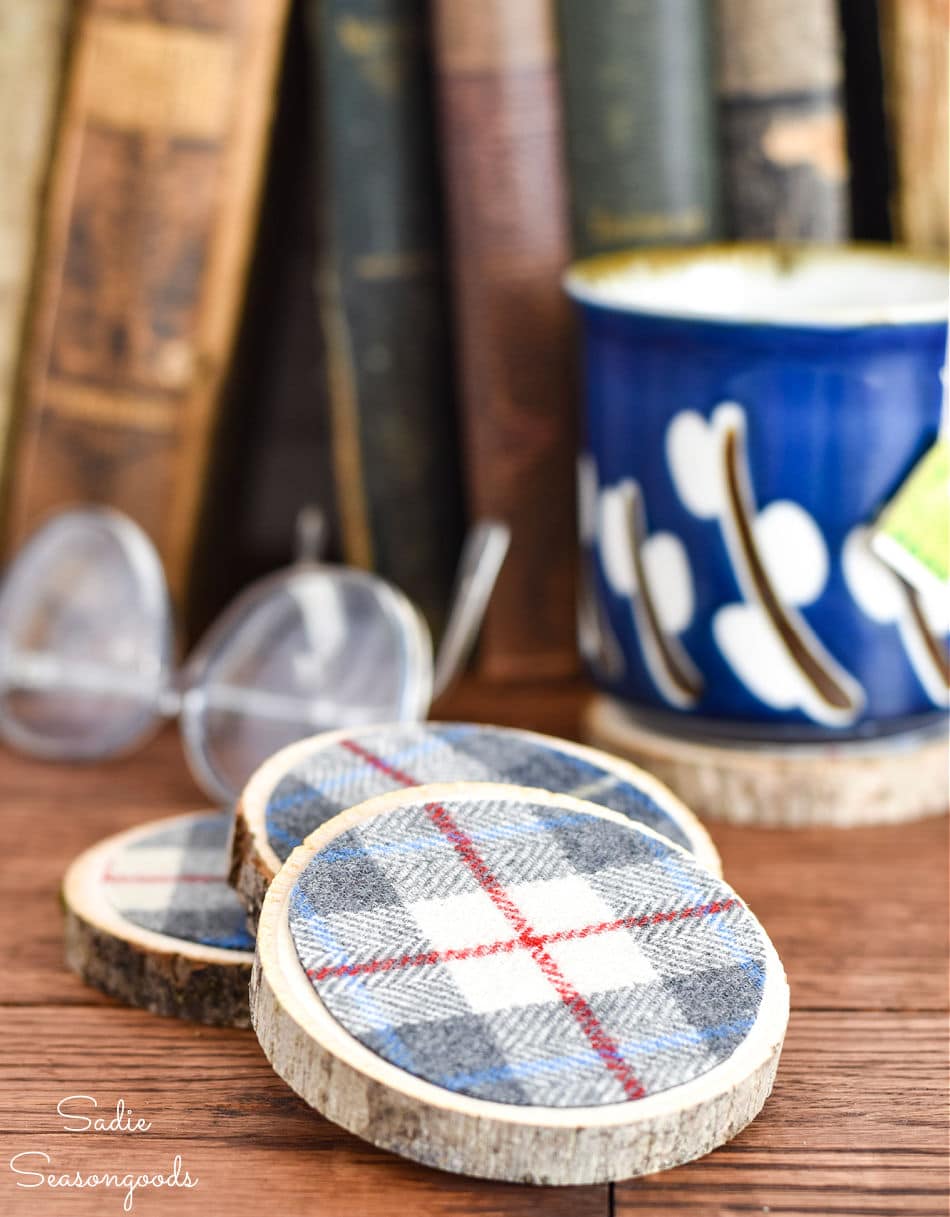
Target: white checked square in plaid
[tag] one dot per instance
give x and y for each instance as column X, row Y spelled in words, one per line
column 526, row 953
column 351, row 768
column 173, row 880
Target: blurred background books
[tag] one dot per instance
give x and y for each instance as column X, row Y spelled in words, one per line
column 261, row 253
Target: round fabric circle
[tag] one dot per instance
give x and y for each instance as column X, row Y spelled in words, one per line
column 527, row 961
column 307, row 784
column 172, row 878
column 151, row 920
column 527, row 954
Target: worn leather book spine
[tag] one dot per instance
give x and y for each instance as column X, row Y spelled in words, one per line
column 153, row 203
column 502, row 151
column 914, row 35
column 640, row 124
column 785, row 169
column 383, row 295
column 32, row 54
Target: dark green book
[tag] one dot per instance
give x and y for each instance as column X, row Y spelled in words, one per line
column 639, row 116
column 382, row 295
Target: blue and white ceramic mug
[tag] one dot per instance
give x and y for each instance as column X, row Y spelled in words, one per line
column 749, row 409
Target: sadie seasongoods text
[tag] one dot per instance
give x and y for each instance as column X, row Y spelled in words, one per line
column 79, row 1113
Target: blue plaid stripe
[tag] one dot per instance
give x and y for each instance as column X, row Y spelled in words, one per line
column 375, row 1017
column 564, row 1064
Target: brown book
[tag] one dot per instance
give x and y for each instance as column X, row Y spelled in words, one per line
column 151, row 216
column 784, row 155
column 32, row 50
column 501, row 150
column 914, row 36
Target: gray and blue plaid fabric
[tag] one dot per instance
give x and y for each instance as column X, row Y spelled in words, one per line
column 377, row 760
column 527, row 954
column 174, row 881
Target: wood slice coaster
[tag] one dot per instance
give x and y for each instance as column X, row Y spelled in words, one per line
column 519, row 985
column 305, row 785
column 845, row 784
column 151, row 920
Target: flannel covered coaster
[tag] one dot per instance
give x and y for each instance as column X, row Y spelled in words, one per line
column 150, row 919
column 305, row 785
column 172, row 878
column 537, row 952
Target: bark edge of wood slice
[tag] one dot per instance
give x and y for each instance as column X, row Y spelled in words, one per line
column 848, row 784
column 398, row 1111
column 144, row 968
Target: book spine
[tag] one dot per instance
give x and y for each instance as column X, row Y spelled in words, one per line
column 640, row 122
column 383, row 295
column 272, row 445
column 914, row 36
column 152, row 211
column 32, row 52
column 502, row 147
column 868, row 137
column 785, row 170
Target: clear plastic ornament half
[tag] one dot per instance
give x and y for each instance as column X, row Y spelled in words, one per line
column 86, row 650
column 86, row 638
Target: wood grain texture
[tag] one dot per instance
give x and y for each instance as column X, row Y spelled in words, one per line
column 856, row 1124
column 152, row 211
column 212, row 1097
column 825, row 1145
column 841, row 787
column 162, row 982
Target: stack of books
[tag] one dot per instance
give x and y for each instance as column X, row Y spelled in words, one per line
column 261, row 255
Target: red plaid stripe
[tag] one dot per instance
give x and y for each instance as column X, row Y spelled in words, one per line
column 506, row 945
column 584, row 1016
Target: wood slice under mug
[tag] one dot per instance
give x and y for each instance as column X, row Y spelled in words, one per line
column 512, row 984
column 304, row 785
column 847, row 784
column 151, row 920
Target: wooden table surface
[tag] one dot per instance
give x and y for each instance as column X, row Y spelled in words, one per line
column 857, row 1123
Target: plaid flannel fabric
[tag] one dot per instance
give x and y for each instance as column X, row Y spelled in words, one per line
column 174, row 881
column 375, row 761
column 527, row 954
